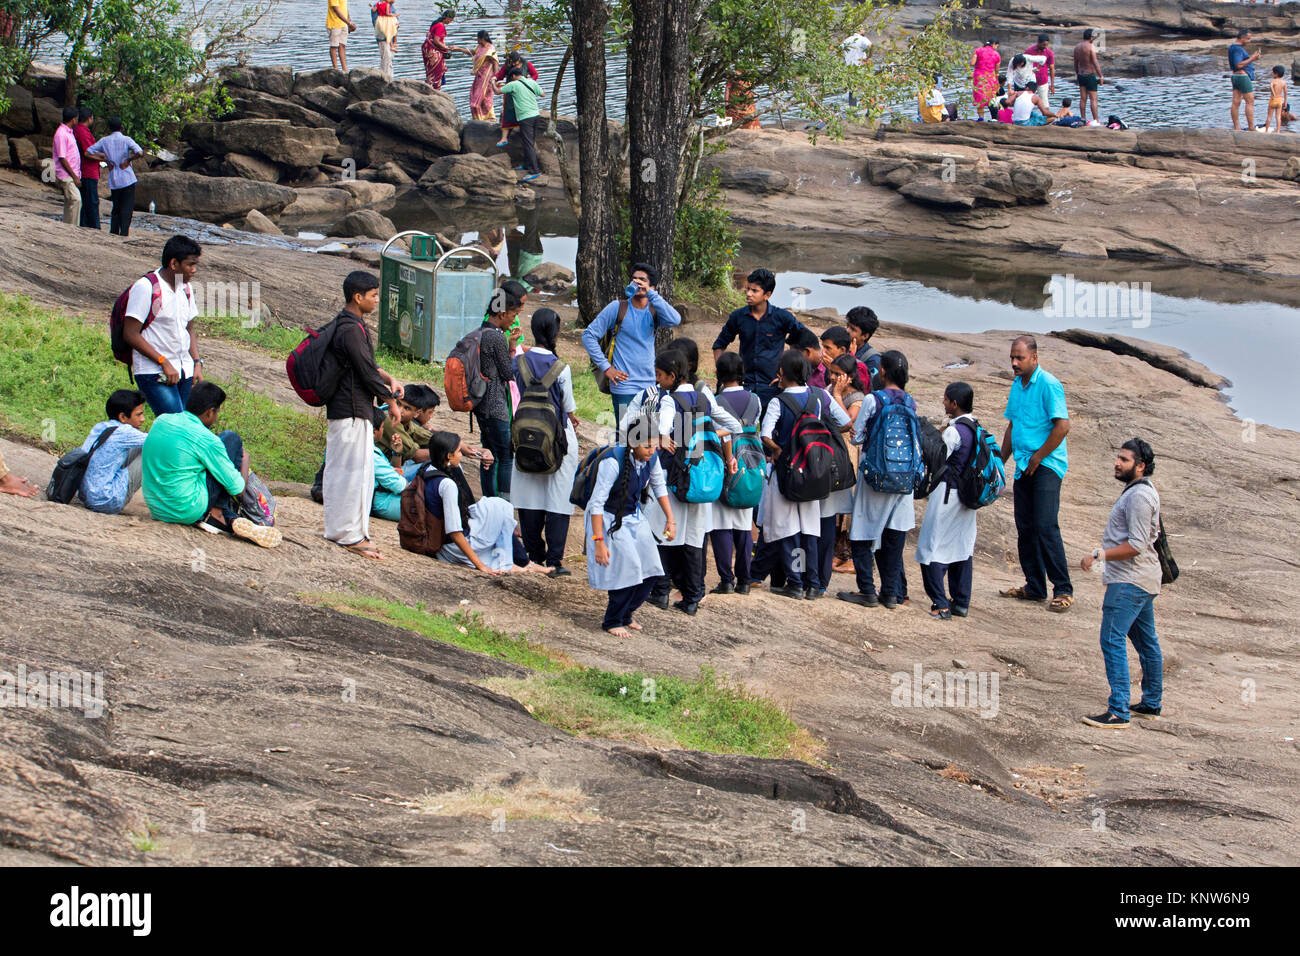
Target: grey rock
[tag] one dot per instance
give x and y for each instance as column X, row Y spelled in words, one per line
column 470, row 176
column 24, row 155
column 212, row 198
column 4, row 150
column 252, row 104
column 1083, row 248
column 319, row 202
column 18, row 118
column 1292, row 169
column 364, row 222
column 938, row 195
column 250, row 167
column 550, row 277
column 366, row 194
column 326, row 100
column 49, row 115
column 314, row 79
column 430, row 120
column 275, row 140
column 256, row 222
column 275, row 80
column 374, row 146
column 391, row 173
column 480, row 136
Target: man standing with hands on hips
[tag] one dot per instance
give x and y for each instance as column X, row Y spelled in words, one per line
column 1037, row 423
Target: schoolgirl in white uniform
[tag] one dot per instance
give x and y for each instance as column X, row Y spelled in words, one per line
column 946, row 545
column 731, row 534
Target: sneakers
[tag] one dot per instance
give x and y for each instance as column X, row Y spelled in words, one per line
column 857, row 597
column 209, row 526
column 1106, row 720
column 1146, row 713
column 263, row 535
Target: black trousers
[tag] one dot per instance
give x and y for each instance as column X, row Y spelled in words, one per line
column 732, row 553
column 1037, row 499
column 826, row 552
column 545, row 535
column 889, row 562
column 90, row 203
column 793, row 561
column 119, row 223
column 684, row 570
column 528, row 130
column 623, row 604
column 959, row 574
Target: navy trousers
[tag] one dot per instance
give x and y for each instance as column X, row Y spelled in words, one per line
column 545, row 535
column 623, row 604
column 733, row 554
column 959, row 576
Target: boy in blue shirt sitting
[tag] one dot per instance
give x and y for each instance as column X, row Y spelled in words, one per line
column 114, row 474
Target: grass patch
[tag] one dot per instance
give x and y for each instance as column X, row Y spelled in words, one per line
column 722, row 299
column 146, row 840
column 708, row 712
column 58, row 372
column 528, row 800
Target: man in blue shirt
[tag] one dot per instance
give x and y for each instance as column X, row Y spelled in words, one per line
column 1242, row 67
column 1037, row 423
column 762, row 330
column 631, row 366
column 118, row 150
column 113, row 476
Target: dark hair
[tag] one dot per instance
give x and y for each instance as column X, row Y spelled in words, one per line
column 1066, row 101
column 69, row 114
column 358, row 282
column 378, row 416
column 730, row 367
column 1243, row 32
column 803, row 339
column 990, row 42
column 1279, row 70
column 179, row 248
column 421, row 396
column 848, row 364
column 115, row 124
column 123, row 402
column 546, row 328
column 893, row 366
column 1044, row 38
column 441, row 446
column 1018, row 61
column 838, row 336
column 1088, row 33
column 1028, row 341
column 644, row 425
column 204, row 396
column 765, row 279
column 961, row 395
column 673, row 362
column 1031, row 86
column 507, row 297
column 1142, row 454
column 690, row 352
column 514, row 71
column 650, row 271
column 864, row 319
column 84, row 113
column 794, row 366
column 514, row 56
column 484, row 35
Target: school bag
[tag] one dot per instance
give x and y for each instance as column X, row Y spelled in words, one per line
column 981, row 479
column 462, row 376
column 313, row 369
column 934, row 460
column 607, row 347
column 70, row 469
column 1168, row 566
column 874, row 369
column 256, row 503
column 419, row 531
column 537, row 433
column 584, row 480
column 695, row 469
column 803, row 470
column 117, row 319
column 891, row 462
column 744, row 489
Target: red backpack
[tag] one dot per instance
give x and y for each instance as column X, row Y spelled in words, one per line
column 462, row 376
column 312, row 367
column 117, row 318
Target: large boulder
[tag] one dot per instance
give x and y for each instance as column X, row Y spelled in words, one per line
column 256, row 222
column 386, row 173
column 470, row 176
column 312, row 79
column 24, row 154
column 480, row 136
column 550, row 277
column 250, row 167
column 367, row 194
column 212, row 198
column 275, row 80
column 252, row 104
column 275, row 140
column 373, row 146
column 364, row 222
column 19, row 117
column 430, row 120
column 326, row 100
column 319, row 202
column 49, row 115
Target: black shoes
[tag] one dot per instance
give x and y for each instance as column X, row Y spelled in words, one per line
column 856, row 597
column 889, row 602
column 788, row 591
column 723, row 588
column 960, row 611
column 1106, row 720
column 687, row 607
column 559, row 571
column 812, row 594
column 1146, row 713
column 941, row 613
column 659, row 602
column 742, row 588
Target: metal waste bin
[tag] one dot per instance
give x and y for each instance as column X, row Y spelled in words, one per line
column 430, row 298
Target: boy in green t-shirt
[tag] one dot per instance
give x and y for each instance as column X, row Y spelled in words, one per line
column 523, row 92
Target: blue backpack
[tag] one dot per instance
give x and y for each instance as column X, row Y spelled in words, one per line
column 584, row 479
column 744, row 489
column 981, row 479
column 892, row 462
column 695, row 469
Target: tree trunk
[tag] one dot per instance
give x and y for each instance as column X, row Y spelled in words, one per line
column 658, row 117
column 599, row 275
column 72, row 65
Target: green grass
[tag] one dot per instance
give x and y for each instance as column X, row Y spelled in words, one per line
column 708, row 712
column 58, row 372
column 145, row 840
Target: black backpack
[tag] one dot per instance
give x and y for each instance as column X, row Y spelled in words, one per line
column 537, row 434
column 1168, row 566
column 584, row 479
column 71, row 469
column 934, row 456
column 804, row 472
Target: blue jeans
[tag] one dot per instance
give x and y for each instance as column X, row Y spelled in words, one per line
column 218, row 497
column 621, row 402
column 1037, row 500
column 1128, row 612
column 494, row 479
column 164, row 399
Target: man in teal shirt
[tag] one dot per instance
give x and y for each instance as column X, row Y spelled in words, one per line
column 191, row 476
column 1037, row 423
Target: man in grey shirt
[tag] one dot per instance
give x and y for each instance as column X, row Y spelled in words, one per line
column 1131, row 576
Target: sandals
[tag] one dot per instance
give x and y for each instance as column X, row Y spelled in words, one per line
column 1061, row 603
column 1019, row 594
column 364, row 548
column 941, row 613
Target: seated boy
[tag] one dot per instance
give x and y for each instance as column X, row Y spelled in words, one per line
column 114, row 474
column 192, row 476
column 416, row 407
column 389, row 482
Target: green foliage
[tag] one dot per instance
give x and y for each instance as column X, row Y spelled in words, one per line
column 706, row 244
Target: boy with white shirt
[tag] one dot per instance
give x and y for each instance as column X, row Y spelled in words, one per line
column 160, row 315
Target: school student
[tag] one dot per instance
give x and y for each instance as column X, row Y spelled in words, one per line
column 880, row 520
column 847, row 388
column 480, row 532
column 732, row 536
column 862, row 324
column 762, row 330
column 415, row 411
column 807, row 342
column 389, row 482
column 543, row 500
column 946, row 545
column 165, row 360
column 792, row 530
column 500, row 336
column 621, row 555
column 114, row 474
column 683, row 558
column 837, row 341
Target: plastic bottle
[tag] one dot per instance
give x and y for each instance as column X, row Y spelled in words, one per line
column 153, row 207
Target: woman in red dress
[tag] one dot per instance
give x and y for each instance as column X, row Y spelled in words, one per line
column 435, row 50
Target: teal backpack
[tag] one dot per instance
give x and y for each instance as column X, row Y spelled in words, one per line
column 744, row 489
column 695, row 470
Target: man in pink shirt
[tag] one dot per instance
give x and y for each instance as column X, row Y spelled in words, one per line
column 1044, row 73
column 67, row 166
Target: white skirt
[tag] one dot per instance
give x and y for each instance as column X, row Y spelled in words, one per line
column 491, row 534
column 694, row 521
column 874, row 512
column 838, row 503
column 783, row 518
column 550, row 493
column 727, row 518
column 947, row 530
column 633, row 553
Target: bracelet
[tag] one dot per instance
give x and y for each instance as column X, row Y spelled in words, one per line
column 1097, row 554
column 594, row 538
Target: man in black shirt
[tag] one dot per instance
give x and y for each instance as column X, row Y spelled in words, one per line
column 762, row 330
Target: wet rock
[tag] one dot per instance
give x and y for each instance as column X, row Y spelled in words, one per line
column 275, row 140
column 845, row 280
column 1084, row 248
column 480, row 136
column 387, row 173
column 212, row 198
column 364, row 222
column 470, row 176
column 250, row 167
column 18, row 118
column 367, row 194
column 275, row 80
column 256, row 222
column 1159, row 356
column 550, row 277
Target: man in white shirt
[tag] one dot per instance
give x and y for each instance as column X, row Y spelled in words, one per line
column 857, row 50
column 160, row 315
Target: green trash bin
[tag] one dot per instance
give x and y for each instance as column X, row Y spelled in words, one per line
column 429, row 298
